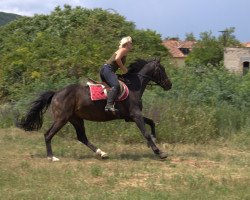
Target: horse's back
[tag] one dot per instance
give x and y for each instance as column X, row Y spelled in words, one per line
column 66, row 99
column 74, row 101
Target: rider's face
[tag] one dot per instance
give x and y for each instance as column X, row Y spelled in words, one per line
column 129, row 45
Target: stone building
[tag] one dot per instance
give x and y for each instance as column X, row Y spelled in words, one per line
column 237, row 60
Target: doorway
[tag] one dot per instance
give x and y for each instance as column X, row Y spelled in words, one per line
column 245, row 68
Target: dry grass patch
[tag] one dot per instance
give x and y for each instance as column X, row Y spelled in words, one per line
column 132, row 171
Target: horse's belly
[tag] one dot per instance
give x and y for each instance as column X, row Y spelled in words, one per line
column 95, row 114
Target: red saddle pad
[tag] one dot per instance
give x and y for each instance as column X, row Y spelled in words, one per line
column 99, row 91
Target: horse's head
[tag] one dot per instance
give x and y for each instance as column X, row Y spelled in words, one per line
column 158, row 74
column 152, row 71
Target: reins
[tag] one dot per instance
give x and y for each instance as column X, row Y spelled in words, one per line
column 148, row 77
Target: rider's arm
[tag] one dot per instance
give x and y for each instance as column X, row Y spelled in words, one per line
column 120, row 53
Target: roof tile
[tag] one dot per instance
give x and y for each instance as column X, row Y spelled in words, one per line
column 174, row 46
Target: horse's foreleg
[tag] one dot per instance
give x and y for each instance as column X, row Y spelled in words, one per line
column 56, row 126
column 149, row 122
column 78, row 124
column 140, row 122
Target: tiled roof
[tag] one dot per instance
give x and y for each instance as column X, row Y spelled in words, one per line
column 174, row 46
column 186, row 44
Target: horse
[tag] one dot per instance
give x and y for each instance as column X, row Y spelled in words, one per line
column 73, row 104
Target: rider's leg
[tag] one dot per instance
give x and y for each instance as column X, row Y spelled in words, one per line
column 112, row 94
column 111, row 79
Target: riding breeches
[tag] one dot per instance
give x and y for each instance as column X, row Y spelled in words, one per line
column 108, row 75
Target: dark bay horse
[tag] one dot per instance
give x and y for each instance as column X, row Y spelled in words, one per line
column 73, row 104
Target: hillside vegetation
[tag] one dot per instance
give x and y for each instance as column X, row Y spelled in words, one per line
column 7, row 17
column 48, row 52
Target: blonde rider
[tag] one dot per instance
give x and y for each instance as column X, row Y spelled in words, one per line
column 107, row 73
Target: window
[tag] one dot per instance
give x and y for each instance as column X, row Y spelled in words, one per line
column 245, row 68
column 185, row 51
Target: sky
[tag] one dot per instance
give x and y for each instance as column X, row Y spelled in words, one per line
column 173, row 18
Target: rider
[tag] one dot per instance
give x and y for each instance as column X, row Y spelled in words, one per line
column 108, row 70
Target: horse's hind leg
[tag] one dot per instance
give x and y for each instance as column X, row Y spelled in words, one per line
column 56, row 126
column 78, row 124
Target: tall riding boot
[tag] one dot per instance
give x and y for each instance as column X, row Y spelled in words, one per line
column 111, row 99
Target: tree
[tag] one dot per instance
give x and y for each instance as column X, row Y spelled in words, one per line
column 209, row 49
column 228, row 39
column 190, row 37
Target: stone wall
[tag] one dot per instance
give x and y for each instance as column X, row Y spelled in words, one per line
column 234, row 59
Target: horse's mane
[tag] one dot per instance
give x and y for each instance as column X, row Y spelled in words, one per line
column 136, row 66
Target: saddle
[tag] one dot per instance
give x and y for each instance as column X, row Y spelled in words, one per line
column 99, row 90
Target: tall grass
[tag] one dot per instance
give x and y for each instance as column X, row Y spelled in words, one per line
column 176, row 121
column 8, row 116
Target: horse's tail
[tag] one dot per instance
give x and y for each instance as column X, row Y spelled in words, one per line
column 34, row 118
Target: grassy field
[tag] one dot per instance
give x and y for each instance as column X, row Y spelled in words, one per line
column 220, row 170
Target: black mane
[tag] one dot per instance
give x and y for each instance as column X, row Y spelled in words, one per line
column 133, row 69
column 136, row 66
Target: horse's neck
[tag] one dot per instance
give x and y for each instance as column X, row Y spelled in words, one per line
column 143, row 76
column 136, row 83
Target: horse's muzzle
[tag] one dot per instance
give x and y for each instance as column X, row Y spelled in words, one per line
column 167, row 85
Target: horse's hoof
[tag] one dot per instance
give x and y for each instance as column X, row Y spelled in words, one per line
column 53, row 159
column 163, row 155
column 101, row 153
column 104, row 156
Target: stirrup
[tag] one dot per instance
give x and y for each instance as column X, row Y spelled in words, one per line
column 110, row 108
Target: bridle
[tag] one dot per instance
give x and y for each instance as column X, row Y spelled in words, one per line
column 160, row 82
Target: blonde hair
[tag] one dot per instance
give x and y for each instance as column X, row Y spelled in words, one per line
column 124, row 41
